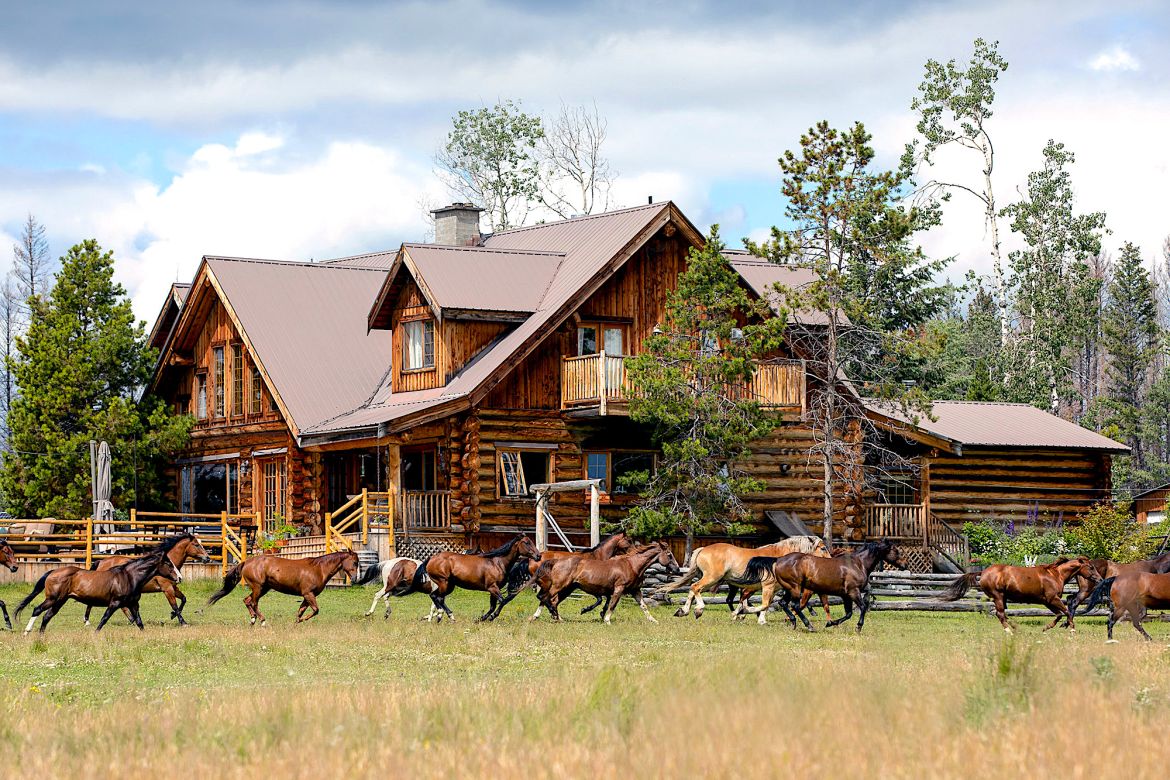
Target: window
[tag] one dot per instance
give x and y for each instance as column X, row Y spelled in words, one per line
column 210, row 488
column 418, row 469
column 611, row 467
column 418, row 345
column 273, row 487
column 518, row 469
column 217, row 360
column 257, row 390
column 201, row 396
column 897, row 489
column 612, row 338
column 237, row 378
column 597, row 467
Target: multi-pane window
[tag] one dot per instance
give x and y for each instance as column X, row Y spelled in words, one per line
column 520, row 469
column 614, row 468
column 217, row 361
column 272, row 474
column 597, row 467
column 418, row 345
column 237, row 378
column 611, row 338
column 201, row 396
column 257, row 391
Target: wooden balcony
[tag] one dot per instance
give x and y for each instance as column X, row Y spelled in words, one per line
column 915, row 525
column 424, row 511
column 598, row 385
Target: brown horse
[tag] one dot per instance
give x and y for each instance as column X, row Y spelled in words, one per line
column 608, row 578
column 800, row 576
column 114, row 589
column 7, row 558
column 1132, row 596
column 617, row 544
column 1106, row 568
column 305, row 577
column 394, row 572
column 187, row 547
column 1042, row 584
column 486, row 572
column 718, row 563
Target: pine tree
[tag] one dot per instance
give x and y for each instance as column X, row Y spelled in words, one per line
column 78, row 369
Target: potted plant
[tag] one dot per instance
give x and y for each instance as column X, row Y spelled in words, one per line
column 273, row 540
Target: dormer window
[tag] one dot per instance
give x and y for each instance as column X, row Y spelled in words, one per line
column 418, row 345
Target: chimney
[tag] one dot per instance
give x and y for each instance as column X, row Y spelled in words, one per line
column 457, row 225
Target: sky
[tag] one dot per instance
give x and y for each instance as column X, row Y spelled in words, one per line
column 306, row 130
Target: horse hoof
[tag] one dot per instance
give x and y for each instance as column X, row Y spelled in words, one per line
column 679, row 612
column 1112, row 642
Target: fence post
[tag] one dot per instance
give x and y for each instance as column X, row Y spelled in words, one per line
column 601, row 391
column 223, row 539
column 328, row 532
column 88, row 542
column 365, row 516
column 133, row 519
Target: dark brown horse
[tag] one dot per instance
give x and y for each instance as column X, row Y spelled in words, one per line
column 187, row 547
column 1042, row 584
column 395, row 573
column 617, row 544
column 1106, row 568
column 800, row 576
column 305, row 577
column 7, row 558
column 485, row 572
column 114, row 589
column 1132, row 595
column 606, row 578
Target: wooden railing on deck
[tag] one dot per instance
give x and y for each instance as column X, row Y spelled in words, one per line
column 913, row 522
column 425, row 510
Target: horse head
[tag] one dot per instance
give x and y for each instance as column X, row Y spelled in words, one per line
column 166, row 568
column 666, row 559
column 197, row 551
column 526, row 548
column 7, row 556
column 888, row 552
column 619, row 544
column 1086, row 569
column 349, row 564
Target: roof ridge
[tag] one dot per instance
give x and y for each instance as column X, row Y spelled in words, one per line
column 501, row 251
column 292, row 263
column 584, row 218
column 357, row 257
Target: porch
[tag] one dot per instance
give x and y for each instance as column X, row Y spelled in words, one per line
column 598, row 385
column 927, row 539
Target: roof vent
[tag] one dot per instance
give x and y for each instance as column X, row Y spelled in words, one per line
column 457, row 225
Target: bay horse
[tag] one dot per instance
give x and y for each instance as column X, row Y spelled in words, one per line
column 1159, row 564
column 799, row 576
column 7, row 558
column 304, row 577
column 484, row 572
column 187, row 547
column 1043, row 584
column 610, row 547
column 394, row 573
column 717, row 563
column 606, row 578
column 1132, row 595
column 116, row 588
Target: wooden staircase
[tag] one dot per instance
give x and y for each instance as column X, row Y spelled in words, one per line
column 926, row 542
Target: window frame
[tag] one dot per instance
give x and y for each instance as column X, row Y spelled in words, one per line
column 218, row 369
column 256, row 398
column 237, row 369
column 201, row 396
column 610, row 484
column 510, row 457
column 600, row 327
column 428, row 333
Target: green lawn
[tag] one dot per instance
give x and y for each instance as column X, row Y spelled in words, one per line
column 346, row 694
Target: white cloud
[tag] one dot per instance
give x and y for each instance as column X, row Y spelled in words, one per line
column 1117, row 58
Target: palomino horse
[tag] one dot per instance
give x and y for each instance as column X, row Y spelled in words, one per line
column 1042, row 584
column 305, row 577
column 1132, row 595
column 1107, row 568
column 608, row 579
column 612, row 546
column 717, row 563
column 7, row 558
column 799, row 576
column 486, row 572
column 394, row 573
column 186, row 547
column 116, row 588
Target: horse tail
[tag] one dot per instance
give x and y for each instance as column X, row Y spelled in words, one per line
column 692, row 573
column 1100, row 592
column 372, row 573
column 230, row 581
column 959, row 587
column 416, row 582
column 36, row 589
column 757, row 568
column 518, row 576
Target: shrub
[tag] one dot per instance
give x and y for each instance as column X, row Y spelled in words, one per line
column 1110, row 531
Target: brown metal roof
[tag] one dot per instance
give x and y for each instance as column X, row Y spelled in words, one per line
column 380, row 260
column 988, row 424
column 762, row 276
column 165, row 321
column 484, row 278
column 306, row 323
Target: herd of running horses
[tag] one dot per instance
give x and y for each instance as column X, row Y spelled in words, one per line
column 794, row 570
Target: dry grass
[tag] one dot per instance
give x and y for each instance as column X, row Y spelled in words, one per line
column 915, row 696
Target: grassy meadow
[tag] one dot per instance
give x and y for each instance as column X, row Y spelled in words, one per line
column 916, row 695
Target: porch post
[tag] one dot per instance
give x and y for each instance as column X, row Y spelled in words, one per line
column 594, row 516
column 925, row 501
column 223, row 542
column 601, row 384
column 328, row 532
column 88, row 543
column 365, row 515
column 541, row 522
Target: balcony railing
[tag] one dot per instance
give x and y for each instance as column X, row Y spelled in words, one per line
column 424, row 511
column 601, row 379
column 914, row 523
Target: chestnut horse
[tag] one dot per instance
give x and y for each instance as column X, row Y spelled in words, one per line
column 116, row 588
column 1132, row 595
column 1106, row 568
column 718, row 563
column 304, row 577
column 799, row 576
column 7, row 558
column 394, row 573
column 617, row 544
column 608, row 578
column 1042, row 584
column 486, row 572
column 188, row 546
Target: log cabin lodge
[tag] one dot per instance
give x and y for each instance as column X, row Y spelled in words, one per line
column 452, row 375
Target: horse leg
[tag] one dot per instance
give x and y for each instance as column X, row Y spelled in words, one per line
column 311, row 600
column 1062, row 612
column 640, row 597
column 7, row 620
column 1136, row 616
column 1115, row 614
column 374, row 604
column 88, row 609
column 110, row 610
column 704, row 582
column 862, row 608
column 596, row 603
column 1001, row 611
column 494, row 599
column 37, row 610
column 135, row 617
column 256, row 606
column 825, row 606
column 731, row 594
column 178, row 601
column 844, row 618
column 614, row 598
column 787, row 610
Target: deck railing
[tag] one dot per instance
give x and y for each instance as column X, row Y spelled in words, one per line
column 598, row 379
column 915, row 523
column 424, row 511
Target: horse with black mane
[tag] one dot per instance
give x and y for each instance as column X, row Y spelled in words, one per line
column 799, row 576
column 304, row 577
column 187, row 546
column 485, row 572
column 523, row 574
column 1159, row 564
column 7, row 558
column 608, row 579
column 1132, row 596
column 117, row 588
column 1043, row 584
column 395, row 573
